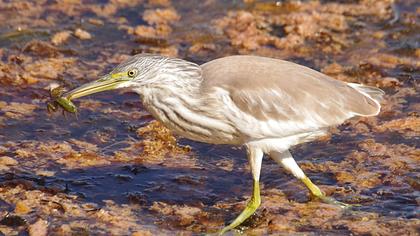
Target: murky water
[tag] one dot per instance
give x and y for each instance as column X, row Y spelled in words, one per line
column 100, row 174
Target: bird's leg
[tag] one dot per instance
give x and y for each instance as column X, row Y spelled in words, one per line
column 255, row 158
column 286, row 160
column 316, row 192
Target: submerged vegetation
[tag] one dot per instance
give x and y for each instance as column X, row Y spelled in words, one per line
column 116, row 171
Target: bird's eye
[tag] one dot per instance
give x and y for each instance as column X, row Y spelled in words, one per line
column 132, row 73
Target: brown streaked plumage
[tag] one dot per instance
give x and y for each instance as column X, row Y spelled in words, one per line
column 267, row 105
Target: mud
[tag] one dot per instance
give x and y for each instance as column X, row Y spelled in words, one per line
column 113, row 170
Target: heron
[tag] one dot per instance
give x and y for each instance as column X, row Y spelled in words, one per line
column 266, row 105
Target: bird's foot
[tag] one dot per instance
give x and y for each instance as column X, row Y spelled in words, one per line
column 333, row 201
column 317, row 193
column 246, row 213
column 249, row 210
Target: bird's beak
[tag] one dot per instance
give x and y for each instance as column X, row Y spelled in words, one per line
column 108, row 82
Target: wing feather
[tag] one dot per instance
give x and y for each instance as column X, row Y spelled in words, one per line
column 276, row 90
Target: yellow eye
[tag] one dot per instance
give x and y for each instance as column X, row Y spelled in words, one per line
column 132, row 73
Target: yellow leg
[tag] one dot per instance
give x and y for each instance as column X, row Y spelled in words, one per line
column 250, row 208
column 315, row 191
column 286, row 160
column 255, row 156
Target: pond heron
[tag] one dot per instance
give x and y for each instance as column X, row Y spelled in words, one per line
column 267, row 105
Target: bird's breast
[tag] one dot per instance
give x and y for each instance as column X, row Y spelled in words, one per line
column 187, row 117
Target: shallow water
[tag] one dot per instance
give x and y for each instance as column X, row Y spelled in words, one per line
column 113, row 171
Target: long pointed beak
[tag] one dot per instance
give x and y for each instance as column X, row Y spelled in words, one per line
column 103, row 84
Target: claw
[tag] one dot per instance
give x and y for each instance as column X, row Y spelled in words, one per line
column 332, row 201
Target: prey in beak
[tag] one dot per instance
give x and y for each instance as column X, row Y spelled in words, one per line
column 108, row 82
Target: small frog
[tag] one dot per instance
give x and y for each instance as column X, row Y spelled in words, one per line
column 58, row 101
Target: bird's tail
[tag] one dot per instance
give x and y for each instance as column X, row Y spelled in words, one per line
column 373, row 93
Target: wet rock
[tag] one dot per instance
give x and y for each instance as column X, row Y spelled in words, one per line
column 60, row 37
column 345, row 177
column 41, row 48
column 106, row 10
column 39, row 228
column 243, row 28
column 333, row 69
column 15, row 110
column 64, row 229
column 8, row 161
column 162, row 208
column 159, row 21
column 157, row 142
column 389, row 82
column 123, row 178
column 417, row 53
column 164, row 3
column 142, row 233
column 374, row 149
column 402, row 125
column 12, row 221
column 151, row 40
column 49, row 68
column 46, row 173
column 226, row 165
column 12, row 74
column 199, row 47
column 96, row 21
column 137, row 198
column 84, row 146
column 152, row 32
column 24, row 153
column 82, row 34
column 83, row 159
column 187, row 214
column 161, row 16
column 281, row 224
column 367, row 226
column 22, row 208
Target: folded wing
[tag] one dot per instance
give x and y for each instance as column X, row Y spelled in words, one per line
column 287, row 97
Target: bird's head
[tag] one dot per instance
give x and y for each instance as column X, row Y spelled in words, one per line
column 139, row 71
